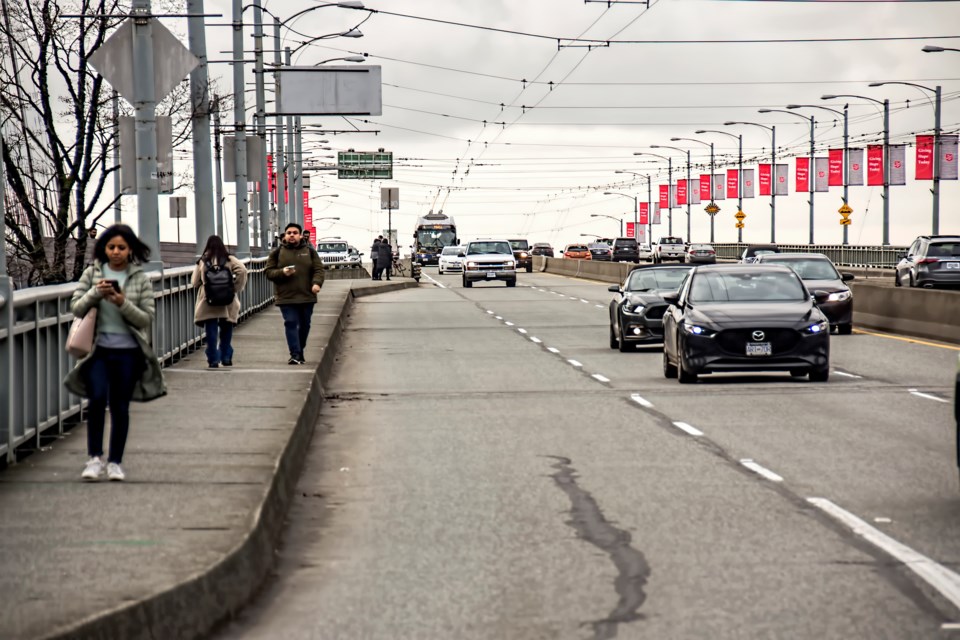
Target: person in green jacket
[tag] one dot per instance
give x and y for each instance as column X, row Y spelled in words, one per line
column 122, row 366
column 297, row 275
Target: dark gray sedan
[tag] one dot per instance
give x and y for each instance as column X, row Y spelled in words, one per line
column 636, row 313
column 819, row 274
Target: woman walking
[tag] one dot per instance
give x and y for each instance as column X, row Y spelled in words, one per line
column 122, row 366
column 218, row 270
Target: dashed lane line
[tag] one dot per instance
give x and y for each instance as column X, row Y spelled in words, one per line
column 575, row 363
column 640, row 400
column 521, row 330
column 536, row 340
column 600, row 378
column 690, row 429
column 847, row 375
column 553, row 350
column 761, row 470
column 927, row 396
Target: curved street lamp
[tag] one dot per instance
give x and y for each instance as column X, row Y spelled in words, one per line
column 603, row 215
column 669, row 189
column 813, row 124
column 936, row 144
column 739, row 139
column 635, row 213
column 636, row 222
column 773, row 171
column 670, row 194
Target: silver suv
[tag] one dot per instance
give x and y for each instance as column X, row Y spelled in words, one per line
column 335, row 254
column 489, row 260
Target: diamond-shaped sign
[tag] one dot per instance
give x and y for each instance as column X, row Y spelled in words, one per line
column 171, row 60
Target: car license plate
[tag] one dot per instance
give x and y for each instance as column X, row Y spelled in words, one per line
column 759, row 349
column 491, row 274
column 951, row 265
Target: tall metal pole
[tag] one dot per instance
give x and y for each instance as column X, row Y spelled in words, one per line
column 261, row 124
column 636, row 217
column 218, row 193
column 298, row 163
column 712, row 216
column 846, row 182
column 7, row 347
column 773, row 183
column 288, row 165
column 669, row 196
column 886, row 173
column 279, row 161
column 117, row 186
column 936, row 163
column 810, row 173
column 649, row 210
column 145, row 116
column 240, row 133
column 739, row 183
column 200, row 102
column 689, row 239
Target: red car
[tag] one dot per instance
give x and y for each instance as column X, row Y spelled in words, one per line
column 577, row 252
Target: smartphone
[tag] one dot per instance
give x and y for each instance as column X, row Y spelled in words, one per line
column 291, row 266
column 115, row 284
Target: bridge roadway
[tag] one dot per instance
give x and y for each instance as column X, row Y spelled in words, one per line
column 484, row 466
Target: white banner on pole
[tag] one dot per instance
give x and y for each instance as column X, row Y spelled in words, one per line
column 898, row 164
column 821, row 175
column 719, row 186
column 948, row 156
column 748, row 183
column 656, row 213
column 781, row 180
column 855, row 167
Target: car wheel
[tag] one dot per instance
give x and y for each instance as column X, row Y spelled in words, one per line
column 512, row 283
column 529, row 268
column 845, row 329
column 797, row 373
column 467, row 283
column 622, row 344
column 820, row 375
column 669, row 371
column 896, row 279
column 911, row 281
column 439, row 271
column 614, row 343
column 684, row 376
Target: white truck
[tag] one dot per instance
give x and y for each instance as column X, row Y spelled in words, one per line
column 669, row 248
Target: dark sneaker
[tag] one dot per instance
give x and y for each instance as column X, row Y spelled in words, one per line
column 302, row 361
column 294, row 360
column 213, row 365
column 227, row 363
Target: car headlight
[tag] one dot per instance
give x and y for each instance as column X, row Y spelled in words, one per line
column 633, row 308
column 820, row 327
column 472, row 264
column 839, row 296
column 511, row 265
column 523, row 254
column 696, row 330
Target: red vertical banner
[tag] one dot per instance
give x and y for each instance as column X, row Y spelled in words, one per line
column 644, row 213
column 875, row 165
column 631, row 230
column 924, row 158
column 835, row 170
column 664, row 196
column 705, row 188
column 271, row 178
column 733, row 183
column 286, row 190
column 765, row 179
column 681, row 192
column 803, row 175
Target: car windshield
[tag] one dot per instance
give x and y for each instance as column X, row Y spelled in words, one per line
column 671, row 240
column 541, row 245
column 576, row 247
column 520, row 245
column 477, row 248
column 744, row 286
column 656, row 279
column 600, row 246
column 701, row 247
column 944, row 250
column 808, row 268
column 436, row 238
column 626, row 242
column 450, row 251
column 331, row 247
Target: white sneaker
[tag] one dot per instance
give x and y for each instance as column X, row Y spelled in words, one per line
column 114, row 472
column 93, row 470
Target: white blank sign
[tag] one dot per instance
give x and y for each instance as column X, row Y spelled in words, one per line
column 330, row 90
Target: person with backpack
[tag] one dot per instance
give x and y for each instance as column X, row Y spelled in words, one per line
column 384, row 258
column 296, row 272
column 218, row 278
column 374, row 255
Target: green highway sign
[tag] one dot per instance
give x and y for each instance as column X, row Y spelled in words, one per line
column 365, row 165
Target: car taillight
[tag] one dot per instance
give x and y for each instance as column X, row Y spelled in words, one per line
column 927, row 260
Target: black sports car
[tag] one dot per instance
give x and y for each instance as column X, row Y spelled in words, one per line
column 741, row 318
column 636, row 314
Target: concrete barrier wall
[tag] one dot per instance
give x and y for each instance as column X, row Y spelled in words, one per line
column 927, row 313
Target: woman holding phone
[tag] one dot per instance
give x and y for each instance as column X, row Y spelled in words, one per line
column 122, row 366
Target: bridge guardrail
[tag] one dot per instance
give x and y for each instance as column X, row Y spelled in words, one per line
column 842, row 255
column 34, row 362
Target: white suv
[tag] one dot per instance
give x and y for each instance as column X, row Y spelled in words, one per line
column 489, row 260
column 334, row 253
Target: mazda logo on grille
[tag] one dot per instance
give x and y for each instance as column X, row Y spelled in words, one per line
column 759, row 335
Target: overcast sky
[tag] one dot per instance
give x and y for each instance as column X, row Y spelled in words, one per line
column 532, row 159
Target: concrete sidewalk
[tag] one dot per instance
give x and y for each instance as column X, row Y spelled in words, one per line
column 190, row 535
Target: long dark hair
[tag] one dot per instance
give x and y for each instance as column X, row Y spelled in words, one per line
column 215, row 251
column 139, row 252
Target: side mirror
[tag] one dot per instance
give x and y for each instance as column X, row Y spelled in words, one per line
column 847, row 277
column 461, row 255
column 819, row 297
column 614, row 288
column 672, row 298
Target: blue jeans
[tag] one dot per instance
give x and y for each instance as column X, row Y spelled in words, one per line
column 111, row 375
column 219, row 335
column 296, row 326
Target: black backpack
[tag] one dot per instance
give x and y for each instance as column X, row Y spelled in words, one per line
column 218, row 284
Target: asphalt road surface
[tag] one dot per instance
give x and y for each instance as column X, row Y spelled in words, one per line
column 487, row 468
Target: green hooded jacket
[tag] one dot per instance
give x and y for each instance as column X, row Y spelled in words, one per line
column 295, row 288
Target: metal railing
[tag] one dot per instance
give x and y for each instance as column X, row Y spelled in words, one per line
column 34, row 362
column 841, row 255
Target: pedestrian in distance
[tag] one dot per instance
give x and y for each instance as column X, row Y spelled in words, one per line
column 384, row 257
column 297, row 275
column 218, row 278
column 122, row 366
column 374, row 252
column 306, row 238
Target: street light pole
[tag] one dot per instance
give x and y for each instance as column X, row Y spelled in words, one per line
column 739, row 138
column 812, row 151
column 670, row 188
column 637, row 206
column 773, row 174
column 936, row 146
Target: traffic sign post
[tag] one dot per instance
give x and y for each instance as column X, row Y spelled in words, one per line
column 390, row 200
column 845, row 210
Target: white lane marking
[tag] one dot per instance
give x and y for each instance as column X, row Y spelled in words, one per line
column 535, row 339
column 584, row 301
column 498, row 317
column 683, row 426
column 936, row 575
column 599, row 306
column 919, row 394
column 575, row 363
column 490, row 312
column 508, row 323
column 599, row 377
column 882, row 520
column 552, row 350
column 522, row 330
column 572, row 297
column 763, row 471
column 848, row 375
column 950, row 626
column 439, row 284
column 640, row 400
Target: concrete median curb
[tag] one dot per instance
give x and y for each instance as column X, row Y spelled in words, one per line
column 195, row 606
